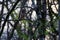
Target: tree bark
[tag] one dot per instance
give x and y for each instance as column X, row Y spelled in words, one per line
column 59, row 19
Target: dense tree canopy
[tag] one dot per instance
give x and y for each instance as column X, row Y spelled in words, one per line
column 29, row 19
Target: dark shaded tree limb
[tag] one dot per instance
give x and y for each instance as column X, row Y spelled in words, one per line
column 8, row 17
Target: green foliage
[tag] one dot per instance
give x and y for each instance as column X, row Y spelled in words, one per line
column 14, row 15
column 22, row 35
column 42, row 24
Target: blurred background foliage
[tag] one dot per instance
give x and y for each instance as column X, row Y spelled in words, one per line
column 29, row 19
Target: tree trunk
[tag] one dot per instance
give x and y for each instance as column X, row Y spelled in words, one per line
column 59, row 20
